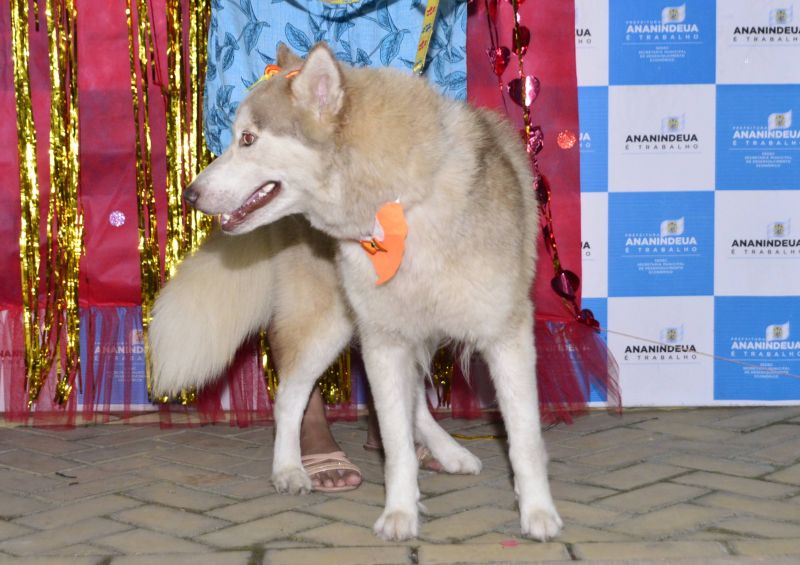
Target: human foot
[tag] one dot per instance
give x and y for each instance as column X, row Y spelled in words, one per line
column 323, row 459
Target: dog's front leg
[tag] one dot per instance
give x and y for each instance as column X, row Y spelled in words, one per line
column 390, row 370
column 288, row 475
column 299, row 365
column 512, row 363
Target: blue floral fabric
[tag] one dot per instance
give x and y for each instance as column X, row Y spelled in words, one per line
column 244, row 35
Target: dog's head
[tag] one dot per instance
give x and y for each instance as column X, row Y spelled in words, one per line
column 281, row 133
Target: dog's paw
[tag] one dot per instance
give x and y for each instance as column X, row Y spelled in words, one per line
column 459, row 461
column 541, row 524
column 291, row 480
column 397, row 525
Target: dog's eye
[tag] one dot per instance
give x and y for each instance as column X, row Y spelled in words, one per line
column 247, row 138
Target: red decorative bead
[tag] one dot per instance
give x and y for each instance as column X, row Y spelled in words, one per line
column 524, row 90
column 499, row 57
column 520, row 40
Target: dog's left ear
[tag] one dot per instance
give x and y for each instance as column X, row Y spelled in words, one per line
column 318, row 86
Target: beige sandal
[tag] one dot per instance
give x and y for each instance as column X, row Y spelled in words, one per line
column 424, row 456
column 334, row 461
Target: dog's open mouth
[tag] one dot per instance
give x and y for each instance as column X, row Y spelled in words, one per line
column 260, row 198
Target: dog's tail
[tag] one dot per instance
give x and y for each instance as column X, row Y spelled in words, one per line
column 219, row 297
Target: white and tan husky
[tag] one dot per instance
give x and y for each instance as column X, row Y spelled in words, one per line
column 336, row 144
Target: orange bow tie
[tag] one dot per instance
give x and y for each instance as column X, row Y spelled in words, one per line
column 387, row 242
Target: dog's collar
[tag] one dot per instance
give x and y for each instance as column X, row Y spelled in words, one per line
column 385, row 246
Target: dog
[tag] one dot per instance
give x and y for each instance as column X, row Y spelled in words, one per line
column 372, row 157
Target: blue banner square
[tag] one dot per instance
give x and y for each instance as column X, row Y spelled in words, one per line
column 757, row 343
column 661, row 42
column 758, row 141
column 661, row 244
column 599, row 307
column 593, row 112
column 126, row 353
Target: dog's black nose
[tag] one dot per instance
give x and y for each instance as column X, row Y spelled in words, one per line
column 191, row 194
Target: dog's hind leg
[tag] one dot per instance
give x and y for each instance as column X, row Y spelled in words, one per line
column 454, row 457
column 512, row 363
column 392, row 377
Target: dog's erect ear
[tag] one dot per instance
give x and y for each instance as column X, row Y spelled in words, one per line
column 286, row 58
column 318, row 86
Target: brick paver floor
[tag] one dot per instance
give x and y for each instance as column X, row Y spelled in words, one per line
column 711, row 486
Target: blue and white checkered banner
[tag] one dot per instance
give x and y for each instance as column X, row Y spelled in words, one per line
column 690, row 180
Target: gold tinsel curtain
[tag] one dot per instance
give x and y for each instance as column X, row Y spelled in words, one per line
column 161, row 46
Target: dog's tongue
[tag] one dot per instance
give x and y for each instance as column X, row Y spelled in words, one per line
column 256, row 200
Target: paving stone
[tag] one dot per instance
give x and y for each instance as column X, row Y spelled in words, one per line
column 466, row 524
column 12, row 506
column 80, row 550
column 367, row 493
column 758, row 527
column 75, row 491
column 620, row 456
column 762, row 548
column 244, row 490
column 619, row 551
column 609, row 438
column 17, row 482
column 650, row 497
column 258, row 531
column 670, row 521
column 636, row 475
column 589, row 515
column 784, row 453
column 64, row 515
column 250, row 469
column 46, row 444
column 440, row 483
column 347, row 510
column 453, row 502
column 140, row 541
column 78, row 532
column 789, row 475
column 577, row 492
column 601, row 420
column 575, row 533
column 216, row 558
column 502, row 538
column 491, row 553
column 758, row 418
column 718, row 465
column 339, row 533
column 86, row 560
column 685, row 431
column 339, row 556
column 751, row 487
column 571, row 471
column 265, row 506
column 203, row 459
column 34, row 462
column 670, row 445
column 179, row 497
column 9, row 530
column 169, row 520
column 763, row 437
column 186, row 475
column 217, row 442
column 748, row 505
column 114, row 451
column 706, row 416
